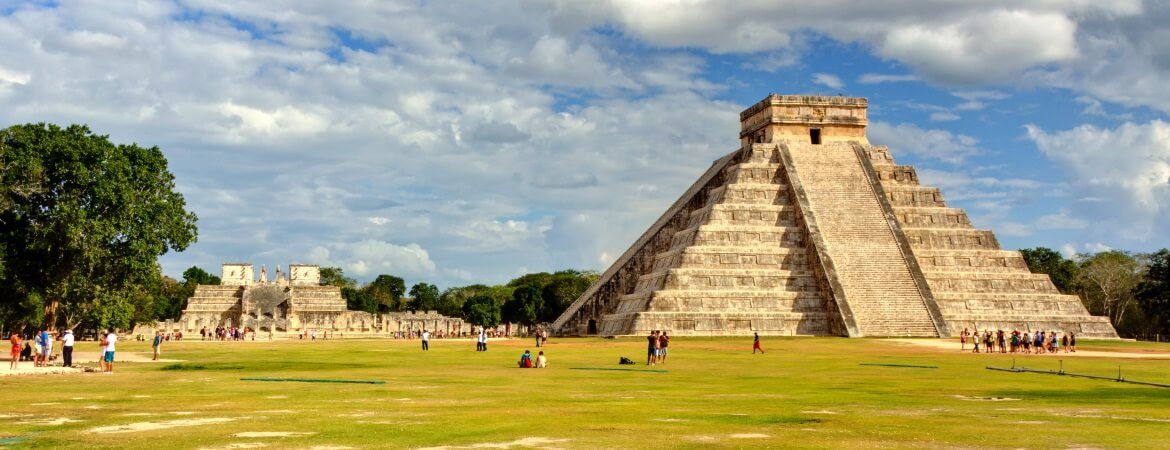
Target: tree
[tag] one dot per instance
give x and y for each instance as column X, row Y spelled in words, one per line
column 524, row 307
column 387, row 291
column 482, row 310
column 1107, row 281
column 451, row 301
column 1153, row 291
column 84, row 222
column 1062, row 271
column 194, row 276
column 564, row 288
column 424, row 297
column 334, row 276
column 359, row 300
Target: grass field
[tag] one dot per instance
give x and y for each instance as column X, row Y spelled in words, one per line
column 804, row 393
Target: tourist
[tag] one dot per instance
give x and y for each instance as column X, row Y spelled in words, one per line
column 313, row 334
column 67, row 348
column 963, row 339
column 1026, row 341
column 651, row 347
column 663, row 342
column 537, row 334
column 543, row 337
column 15, row 352
column 1072, row 342
column 157, row 344
column 1015, row 340
column 541, row 361
column 756, row 344
column 526, row 360
column 989, row 341
column 1001, row 340
column 1054, row 346
column 110, row 340
column 203, row 334
column 1064, row 342
column 426, row 337
column 47, row 347
column 481, row 341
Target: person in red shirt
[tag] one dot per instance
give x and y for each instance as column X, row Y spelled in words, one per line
column 756, row 345
column 15, row 340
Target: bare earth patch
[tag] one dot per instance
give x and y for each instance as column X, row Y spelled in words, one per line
column 522, row 442
column 151, row 426
column 264, row 434
column 52, row 421
column 749, row 436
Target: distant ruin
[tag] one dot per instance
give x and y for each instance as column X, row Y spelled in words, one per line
column 292, row 303
column 807, row 229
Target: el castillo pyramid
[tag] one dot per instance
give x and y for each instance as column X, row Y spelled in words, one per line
column 807, row 229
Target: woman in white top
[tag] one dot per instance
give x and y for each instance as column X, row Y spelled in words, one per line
column 541, row 361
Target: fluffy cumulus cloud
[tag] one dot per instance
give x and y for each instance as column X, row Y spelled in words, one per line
column 907, row 138
column 1122, row 175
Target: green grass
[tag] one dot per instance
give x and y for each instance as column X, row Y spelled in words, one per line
column 804, row 393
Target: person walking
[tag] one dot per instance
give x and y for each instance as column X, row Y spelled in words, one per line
column 963, row 339
column 67, row 348
column 157, row 344
column 651, row 348
column 756, row 345
column 426, row 338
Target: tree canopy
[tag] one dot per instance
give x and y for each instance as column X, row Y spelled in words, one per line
column 84, row 222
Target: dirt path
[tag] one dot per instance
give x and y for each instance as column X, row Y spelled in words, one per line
column 952, row 345
column 79, row 358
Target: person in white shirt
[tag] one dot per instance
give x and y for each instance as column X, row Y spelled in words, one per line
column 67, row 348
column 111, row 339
column 426, row 337
column 541, row 361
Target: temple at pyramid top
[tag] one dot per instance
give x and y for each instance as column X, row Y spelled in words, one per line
column 814, row 118
column 809, row 229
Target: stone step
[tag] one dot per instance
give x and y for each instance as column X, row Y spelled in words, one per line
column 951, row 238
column 705, row 323
column 896, row 175
column 739, row 234
column 744, row 214
column 753, row 193
column 989, row 282
column 931, row 217
column 731, row 279
column 970, row 260
column 771, row 173
column 919, row 196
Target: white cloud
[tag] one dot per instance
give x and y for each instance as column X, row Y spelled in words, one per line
column 935, row 144
column 826, row 79
column 976, row 100
column 875, row 78
column 1128, row 167
column 943, row 116
column 370, row 257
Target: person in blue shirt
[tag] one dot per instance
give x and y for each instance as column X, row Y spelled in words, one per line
column 157, row 344
column 526, row 359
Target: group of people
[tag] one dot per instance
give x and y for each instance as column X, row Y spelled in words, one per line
column 221, row 333
column 656, row 346
column 40, row 348
column 527, row 362
column 1028, row 342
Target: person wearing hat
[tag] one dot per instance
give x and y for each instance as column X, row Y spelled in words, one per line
column 67, row 348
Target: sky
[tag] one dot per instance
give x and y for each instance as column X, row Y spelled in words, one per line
column 460, row 142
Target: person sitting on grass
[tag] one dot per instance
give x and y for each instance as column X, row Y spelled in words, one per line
column 526, row 359
column 541, row 361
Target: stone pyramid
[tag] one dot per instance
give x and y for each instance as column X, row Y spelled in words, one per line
column 808, row 229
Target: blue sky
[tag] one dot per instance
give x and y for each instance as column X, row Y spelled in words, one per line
column 469, row 142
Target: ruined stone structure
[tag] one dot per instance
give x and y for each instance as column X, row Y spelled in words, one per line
column 291, row 303
column 808, row 229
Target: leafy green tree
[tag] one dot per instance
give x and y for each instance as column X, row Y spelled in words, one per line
column 84, row 222
column 424, row 297
column 1153, row 292
column 524, row 307
column 564, row 288
column 1063, row 271
column 334, row 276
column 359, row 300
column 451, row 300
column 482, row 310
column 533, row 279
column 387, row 291
column 194, row 276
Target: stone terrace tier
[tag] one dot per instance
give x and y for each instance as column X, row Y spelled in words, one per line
column 976, row 284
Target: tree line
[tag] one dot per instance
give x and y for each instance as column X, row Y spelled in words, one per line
column 1132, row 289
column 527, row 300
